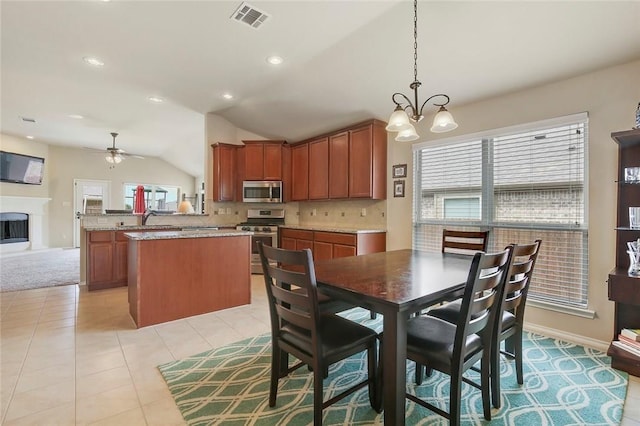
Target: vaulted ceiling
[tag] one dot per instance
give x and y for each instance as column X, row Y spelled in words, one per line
column 342, row 62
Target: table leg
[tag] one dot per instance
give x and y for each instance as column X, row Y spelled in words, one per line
column 394, row 352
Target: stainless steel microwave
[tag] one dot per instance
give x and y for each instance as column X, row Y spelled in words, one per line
column 262, row 191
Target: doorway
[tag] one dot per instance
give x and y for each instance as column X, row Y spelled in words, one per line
column 89, row 197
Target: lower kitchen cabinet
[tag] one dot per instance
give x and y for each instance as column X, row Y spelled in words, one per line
column 107, row 253
column 330, row 244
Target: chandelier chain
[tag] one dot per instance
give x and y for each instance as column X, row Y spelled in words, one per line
column 415, row 40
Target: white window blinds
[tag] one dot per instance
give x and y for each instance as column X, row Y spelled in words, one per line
column 521, row 184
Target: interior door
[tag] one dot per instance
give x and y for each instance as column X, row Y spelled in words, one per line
column 89, row 196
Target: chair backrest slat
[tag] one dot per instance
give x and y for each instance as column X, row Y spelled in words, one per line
column 464, row 242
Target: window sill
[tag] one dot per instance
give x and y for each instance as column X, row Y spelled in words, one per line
column 579, row 312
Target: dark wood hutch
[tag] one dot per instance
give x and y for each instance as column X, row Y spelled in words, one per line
column 624, row 290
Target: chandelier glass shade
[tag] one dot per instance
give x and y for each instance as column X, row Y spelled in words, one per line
column 407, row 111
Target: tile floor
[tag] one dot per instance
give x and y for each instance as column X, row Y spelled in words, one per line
column 73, row 357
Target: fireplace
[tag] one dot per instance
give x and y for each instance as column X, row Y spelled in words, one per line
column 14, row 228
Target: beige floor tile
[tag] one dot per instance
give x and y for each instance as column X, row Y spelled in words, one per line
column 59, row 323
column 103, row 381
column 46, row 376
column 149, row 384
column 40, row 399
column 133, row 417
column 163, row 411
column 43, row 358
column 140, row 358
column 191, row 347
column 106, row 404
column 88, row 363
column 633, row 390
column 632, row 408
column 629, row 422
column 63, row 415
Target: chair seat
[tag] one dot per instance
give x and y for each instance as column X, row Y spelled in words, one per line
column 439, row 336
column 352, row 335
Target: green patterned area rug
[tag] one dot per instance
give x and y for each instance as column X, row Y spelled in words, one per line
column 564, row 384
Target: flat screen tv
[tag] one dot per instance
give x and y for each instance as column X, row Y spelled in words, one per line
column 20, row 168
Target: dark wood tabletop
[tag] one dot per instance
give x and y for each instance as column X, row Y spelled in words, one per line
column 395, row 284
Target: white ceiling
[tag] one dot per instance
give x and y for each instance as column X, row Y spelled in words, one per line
column 343, row 60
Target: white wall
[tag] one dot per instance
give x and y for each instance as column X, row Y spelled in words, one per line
column 610, row 97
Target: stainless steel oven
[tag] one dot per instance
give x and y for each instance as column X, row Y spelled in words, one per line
column 264, row 225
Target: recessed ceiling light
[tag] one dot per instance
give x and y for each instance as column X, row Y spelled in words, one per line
column 75, row 116
column 93, row 61
column 156, row 99
column 275, row 60
column 30, row 137
column 227, row 96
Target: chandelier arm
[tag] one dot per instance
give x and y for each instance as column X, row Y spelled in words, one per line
column 399, row 104
column 435, row 103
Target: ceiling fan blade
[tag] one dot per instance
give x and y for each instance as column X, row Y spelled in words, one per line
column 124, row 154
column 103, row 151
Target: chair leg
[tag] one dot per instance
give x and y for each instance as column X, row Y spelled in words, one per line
column 419, row 371
column 518, row 355
column 373, row 315
column 317, row 394
column 275, row 374
column 455, row 393
column 495, row 374
column 372, row 374
column 485, row 372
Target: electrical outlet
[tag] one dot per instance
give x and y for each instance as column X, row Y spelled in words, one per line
column 221, row 210
column 102, row 220
column 342, row 214
column 363, row 212
column 382, row 214
column 314, row 212
column 326, row 213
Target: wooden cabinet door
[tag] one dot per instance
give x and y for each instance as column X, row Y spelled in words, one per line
column 360, row 162
column 340, row 250
column 273, row 161
column 300, row 172
column 100, row 259
column 253, row 162
column 120, row 271
column 339, row 165
column 322, row 250
column 288, row 243
column 319, row 169
column 303, row 244
column 224, row 172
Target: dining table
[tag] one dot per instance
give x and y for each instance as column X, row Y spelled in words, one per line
column 396, row 284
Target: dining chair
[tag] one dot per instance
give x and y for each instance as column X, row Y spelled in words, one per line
column 316, row 338
column 464, row 242
column 510, row 320
column 454, row 348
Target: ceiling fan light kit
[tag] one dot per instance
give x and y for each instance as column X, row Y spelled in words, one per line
column 407, row 111
column 115, row 155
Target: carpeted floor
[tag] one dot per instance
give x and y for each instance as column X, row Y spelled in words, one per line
column 47, row 268
column 564, row 384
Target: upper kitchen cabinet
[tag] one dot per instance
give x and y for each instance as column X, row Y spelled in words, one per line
column 348, row 163
column 339, row 165
column 261, row 160
column 224, row 171
column 319, row 169
column 300, row 172
column 368, row 161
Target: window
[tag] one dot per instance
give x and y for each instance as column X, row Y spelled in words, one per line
column 156, row 197
column 520, row 183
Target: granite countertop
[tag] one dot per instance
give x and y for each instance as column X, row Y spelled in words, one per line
column 199, row 233
column 328, row 228
column 154, row 227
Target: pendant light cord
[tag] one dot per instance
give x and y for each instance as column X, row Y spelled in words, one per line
column 415, row 40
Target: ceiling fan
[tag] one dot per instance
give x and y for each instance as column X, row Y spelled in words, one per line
column 115, row 155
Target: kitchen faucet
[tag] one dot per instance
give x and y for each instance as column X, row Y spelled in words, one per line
column 146, row 215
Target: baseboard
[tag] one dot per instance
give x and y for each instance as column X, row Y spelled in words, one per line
column 568, row 337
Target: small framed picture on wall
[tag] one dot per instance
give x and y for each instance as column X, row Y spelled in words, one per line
column 398, row 188
column 399, row 170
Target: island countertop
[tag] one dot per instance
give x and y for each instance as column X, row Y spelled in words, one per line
column 329, row 228
column 174, row 234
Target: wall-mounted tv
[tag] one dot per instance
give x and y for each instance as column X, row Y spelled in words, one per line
column 20, row 168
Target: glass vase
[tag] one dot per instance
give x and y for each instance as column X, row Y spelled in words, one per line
column 634, row 263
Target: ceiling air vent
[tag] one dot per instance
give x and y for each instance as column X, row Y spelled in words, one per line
column 249, row 15
column 28, row 120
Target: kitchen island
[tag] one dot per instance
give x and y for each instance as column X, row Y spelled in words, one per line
column 177, row 274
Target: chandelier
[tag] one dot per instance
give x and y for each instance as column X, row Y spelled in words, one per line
column 406, row 110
